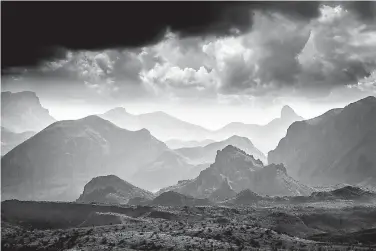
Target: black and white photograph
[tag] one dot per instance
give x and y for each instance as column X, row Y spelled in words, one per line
column 188, row 125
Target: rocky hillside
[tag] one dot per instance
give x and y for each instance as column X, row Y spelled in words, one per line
column 22, row 111
column 242, row 172
column 336, row 147
column 111, row 189
column 57, row 162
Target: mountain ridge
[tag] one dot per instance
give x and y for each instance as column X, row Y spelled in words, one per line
column 67, row 154
column 337, row 146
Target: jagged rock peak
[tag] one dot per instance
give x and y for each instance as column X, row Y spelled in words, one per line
column 230, row 152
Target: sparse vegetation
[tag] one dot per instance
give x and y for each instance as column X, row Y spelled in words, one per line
column 284, row 227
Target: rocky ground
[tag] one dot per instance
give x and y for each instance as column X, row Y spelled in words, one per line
column 314, row 226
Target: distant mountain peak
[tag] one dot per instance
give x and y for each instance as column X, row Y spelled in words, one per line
column 288, row 112
column 118, row 110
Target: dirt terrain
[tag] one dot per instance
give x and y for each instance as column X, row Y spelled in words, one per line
column 73, row 226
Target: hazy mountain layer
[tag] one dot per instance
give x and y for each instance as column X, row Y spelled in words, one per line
column 57, row 162
column 22, row 112
column 176, row 143
column 160, row 124
column 166, row 170
column 208, row 153
column 265, row 137
column 10, row 140
column 177, row 132
column 336, row 147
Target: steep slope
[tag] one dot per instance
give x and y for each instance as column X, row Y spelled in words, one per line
column 10, row 140
column 166, row 170
column 177, row 143
column 57, row 162
column 207, row 153
column 160, row 124
column 265, row 137
column 111, row 189
column 22, row 111
column 242, row 172
column 336, row 147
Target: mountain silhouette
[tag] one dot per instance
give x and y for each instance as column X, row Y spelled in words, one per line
column 206, row 154
column 57, row 162
column 265, row 137
column 336, row 147
column 161, row 125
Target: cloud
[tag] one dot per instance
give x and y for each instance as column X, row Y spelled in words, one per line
column 284, row 54
column 31, row 35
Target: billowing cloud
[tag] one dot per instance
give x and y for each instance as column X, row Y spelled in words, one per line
column 282, row 53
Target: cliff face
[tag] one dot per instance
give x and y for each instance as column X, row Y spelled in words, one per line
column 338, row 146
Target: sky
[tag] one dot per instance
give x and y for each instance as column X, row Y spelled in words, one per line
column 206, row 63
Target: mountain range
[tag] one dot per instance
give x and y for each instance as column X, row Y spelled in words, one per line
column 177, row 132
column 186, row 163
column 57, row 162
column 241, row 171
column 160, row 124
column 206, row 154
column 336, row 147
column 265, row 137
column 177, row 143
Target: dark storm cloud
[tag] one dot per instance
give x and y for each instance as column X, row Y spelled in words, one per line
column 365, row 10
column 31, row 31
